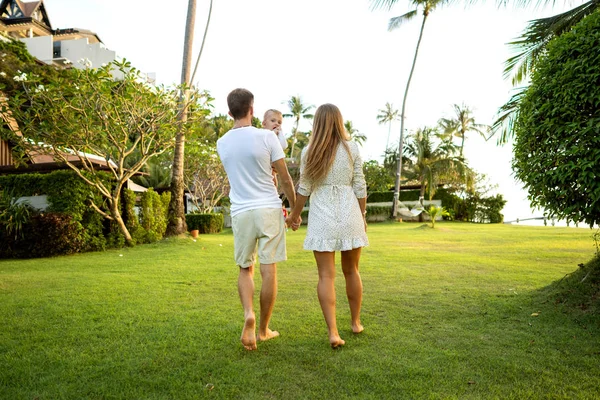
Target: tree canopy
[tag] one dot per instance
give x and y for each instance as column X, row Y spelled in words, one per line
column 557, row 144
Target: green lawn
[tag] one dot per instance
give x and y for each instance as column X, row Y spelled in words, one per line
column 447, row 314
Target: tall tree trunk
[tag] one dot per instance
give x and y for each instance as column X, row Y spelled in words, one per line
column 462, row 143
column 421, row 197
column 387, row 142
column 402, row 118
column 294, row 138
column 177, row 223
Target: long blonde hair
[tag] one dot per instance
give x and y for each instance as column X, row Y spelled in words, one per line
column 328, row 132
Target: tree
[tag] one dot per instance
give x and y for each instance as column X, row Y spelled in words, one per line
column 377, row 177
column 557, row 146
column 462, row 123
column 85, row 118
column 205, row 177
column 530, row 47
column 387, row 115
column 354, row 134
column 431, row 157
column 176, row 223
column 427, row 6
column 298, row 111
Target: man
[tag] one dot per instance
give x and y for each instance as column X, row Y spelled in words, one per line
column 248, row 154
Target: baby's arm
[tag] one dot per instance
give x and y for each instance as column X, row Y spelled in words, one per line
column 282, row 139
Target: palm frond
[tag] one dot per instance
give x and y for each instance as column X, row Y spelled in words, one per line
column 383, row 4
column 397, row 21
column 507, row 116
column 532, row 43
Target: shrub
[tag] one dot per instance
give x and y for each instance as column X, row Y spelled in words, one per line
column 205, row 223
column 46, row 235
column 153, row 215
column 557, row 145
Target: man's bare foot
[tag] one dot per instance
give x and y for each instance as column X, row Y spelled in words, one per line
column 336, row 341
column 269, row 334
column 357, row 328
column 248, row 333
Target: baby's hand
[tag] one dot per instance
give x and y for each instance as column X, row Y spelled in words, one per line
column 277, row 131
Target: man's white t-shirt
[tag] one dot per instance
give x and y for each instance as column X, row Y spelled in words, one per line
column 247, row 154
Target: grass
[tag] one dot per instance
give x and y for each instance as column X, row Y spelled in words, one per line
column 460, row 312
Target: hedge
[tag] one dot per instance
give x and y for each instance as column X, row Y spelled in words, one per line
column 67, row 194
column 205, row 223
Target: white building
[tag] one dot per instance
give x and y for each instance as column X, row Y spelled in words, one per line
column 29, row 22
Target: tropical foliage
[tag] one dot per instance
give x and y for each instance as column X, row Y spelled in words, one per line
column 462, row 123
column 204, row 177
column 355, row 135
column 387, row 115
column 529, row 49
column 85, row 117
column 426, row 7
column 298, row 111
column 557, row 146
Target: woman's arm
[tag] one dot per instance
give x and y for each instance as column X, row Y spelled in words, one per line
column 295, row 218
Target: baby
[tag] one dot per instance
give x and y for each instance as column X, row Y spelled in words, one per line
column 272, row 121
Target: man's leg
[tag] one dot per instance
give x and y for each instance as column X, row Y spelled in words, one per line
column 268, row 293
column 246, row 291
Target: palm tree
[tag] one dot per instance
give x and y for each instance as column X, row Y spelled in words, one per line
column 298, row 110
column 462, row 123
column 431, row 157
column 529, row 47
column 176, row 224
column 355, row 135
column 387, row 115
column 176, row 221
column 427, row 6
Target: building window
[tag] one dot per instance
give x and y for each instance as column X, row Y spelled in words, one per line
column 56, row 50
column 12, row 11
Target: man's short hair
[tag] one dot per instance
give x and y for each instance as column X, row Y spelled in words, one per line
column 239, row 102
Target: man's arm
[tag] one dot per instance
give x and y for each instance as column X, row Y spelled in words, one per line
column 286, row 181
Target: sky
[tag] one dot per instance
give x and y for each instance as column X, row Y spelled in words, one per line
column 331, row 51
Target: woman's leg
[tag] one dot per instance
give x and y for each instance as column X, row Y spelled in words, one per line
column 354, row 286
column 326, row 294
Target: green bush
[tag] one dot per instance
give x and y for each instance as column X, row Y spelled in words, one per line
column 205, row 223
column 557, row 140
column 153, row 215
column 67, row 194
column 46, row 235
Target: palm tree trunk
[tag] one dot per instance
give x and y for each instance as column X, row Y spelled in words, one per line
column 402, row 117
column 387, row 143
column 422, row 196
column 294, row 138
column 203, row 40
column 177, row 223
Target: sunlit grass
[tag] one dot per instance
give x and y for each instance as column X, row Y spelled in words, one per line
column 447, row 314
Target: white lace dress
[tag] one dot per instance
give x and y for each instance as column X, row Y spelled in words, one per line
column 335, row 222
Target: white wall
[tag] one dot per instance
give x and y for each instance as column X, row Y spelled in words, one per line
column 77, row 49
column 40, row 47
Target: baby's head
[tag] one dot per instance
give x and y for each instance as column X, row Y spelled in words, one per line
column 272, row 120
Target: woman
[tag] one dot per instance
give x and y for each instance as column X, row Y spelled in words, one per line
column 331, row 174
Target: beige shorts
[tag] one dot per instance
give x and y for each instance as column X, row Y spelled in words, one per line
column 263, row 228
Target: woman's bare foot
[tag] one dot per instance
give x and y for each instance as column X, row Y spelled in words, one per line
column 357, row 328
column 248, row 333
column 336, row 341
column 269, row 334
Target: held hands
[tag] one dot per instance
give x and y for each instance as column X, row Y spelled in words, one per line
column 293, row 223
